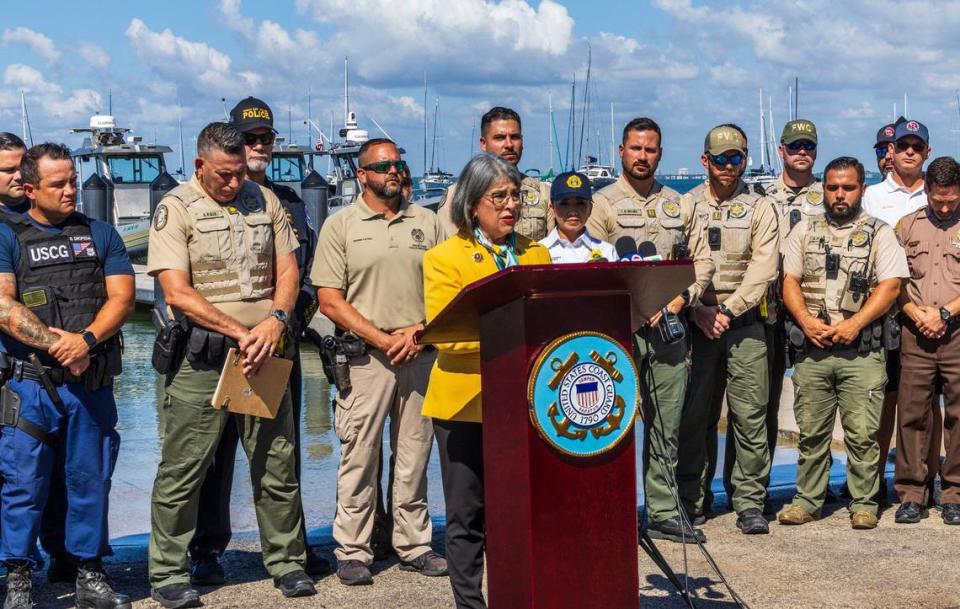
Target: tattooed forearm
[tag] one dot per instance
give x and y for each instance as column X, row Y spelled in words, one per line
column 19, row 322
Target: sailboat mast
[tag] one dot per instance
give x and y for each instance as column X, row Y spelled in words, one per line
column 613, row 143
column 763, row 135
column 183, row 163
column 550, row 129
column 433, row 148
column 773, row 134
column 425, row 121
column 309, row 121
column 584, row 121
column 473, row 137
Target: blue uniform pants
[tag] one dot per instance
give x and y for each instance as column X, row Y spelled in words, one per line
column 86, row 451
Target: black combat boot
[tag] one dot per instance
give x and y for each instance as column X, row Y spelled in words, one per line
column 18, row 586
column 93, row 588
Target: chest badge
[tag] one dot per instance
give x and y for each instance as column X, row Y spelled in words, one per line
column 814, row 197
column 858, row 238
column 738, row 210
column 671, row 209
column 531, row 197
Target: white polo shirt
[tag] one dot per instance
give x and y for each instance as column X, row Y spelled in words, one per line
column 581, row 250
column 890, row 201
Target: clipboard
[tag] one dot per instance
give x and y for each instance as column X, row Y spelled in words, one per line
column 259, row 395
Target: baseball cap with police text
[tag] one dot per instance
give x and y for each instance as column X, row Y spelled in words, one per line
column 251, row 113
column 800, row 129
column 724, row 139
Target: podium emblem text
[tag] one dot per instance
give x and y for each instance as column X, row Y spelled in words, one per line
column 583, row 394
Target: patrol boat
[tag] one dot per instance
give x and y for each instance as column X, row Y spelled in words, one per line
column 289, row 165
column 126, row 168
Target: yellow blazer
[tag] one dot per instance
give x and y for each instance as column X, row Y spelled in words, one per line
column 454, row 389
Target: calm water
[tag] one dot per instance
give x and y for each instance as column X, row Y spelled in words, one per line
column 139, row 390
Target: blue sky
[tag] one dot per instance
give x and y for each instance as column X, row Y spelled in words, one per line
column 689, row 64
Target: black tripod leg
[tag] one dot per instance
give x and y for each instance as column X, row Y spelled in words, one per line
column 647, row 545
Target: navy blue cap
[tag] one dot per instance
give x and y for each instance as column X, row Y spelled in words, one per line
column 914, row 128
column 885, row 135
column 571, row 184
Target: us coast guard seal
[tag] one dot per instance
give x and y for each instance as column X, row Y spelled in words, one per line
column 583, row 393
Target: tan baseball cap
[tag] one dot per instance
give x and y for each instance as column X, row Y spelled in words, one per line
column 800, row 129
column 724, row 139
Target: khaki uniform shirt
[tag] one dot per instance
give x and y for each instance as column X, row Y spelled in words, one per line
column 808, row 200
column 174, row 235
column 536, row 217
column 662, row 217
column 888, row 259
column 747, row 257
column 933, row 257
column 378, row 263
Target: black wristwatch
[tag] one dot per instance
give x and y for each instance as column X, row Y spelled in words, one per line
column 723, row 309
column 945, row 314
column 685, row 295
column 89, row 338
column 281, row 316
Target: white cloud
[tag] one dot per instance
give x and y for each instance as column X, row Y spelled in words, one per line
column 195, row 64
column 40, row 44
column 460, row 41
column 76, row 105
column 93, row 55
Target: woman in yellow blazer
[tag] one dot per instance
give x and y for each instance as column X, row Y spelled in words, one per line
column 486, row 205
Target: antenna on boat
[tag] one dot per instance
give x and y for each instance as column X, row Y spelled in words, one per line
column 382, row 130
column 110, row 102
column 183, row 165
column 309, row 120
column 613, row 142
column 223, row 104
column 346, row 89
column 25, row 120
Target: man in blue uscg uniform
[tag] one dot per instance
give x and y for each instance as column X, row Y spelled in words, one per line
column 61, row 568
column 254, row 119
column 66, row 288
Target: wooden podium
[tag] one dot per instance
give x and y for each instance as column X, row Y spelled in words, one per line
column 561, row 530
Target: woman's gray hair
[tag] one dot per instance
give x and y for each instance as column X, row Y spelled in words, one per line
column 477, row 176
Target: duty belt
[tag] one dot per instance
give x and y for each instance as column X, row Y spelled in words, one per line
column 25, row 370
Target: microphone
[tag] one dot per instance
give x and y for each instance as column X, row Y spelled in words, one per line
column 626, row 248
column 648, row 251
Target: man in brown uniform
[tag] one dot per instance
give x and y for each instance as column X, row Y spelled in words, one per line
column 842, row 273
column 500, row 135
column 368, row 271
column 930, row 345
column 643, row 210
column 729, row 348
column 224, row 254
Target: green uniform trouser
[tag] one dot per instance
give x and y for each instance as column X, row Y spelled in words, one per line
column 854, row 382
column 191, row 433
column 736, row 363
column 776, row 368
column 663, row 378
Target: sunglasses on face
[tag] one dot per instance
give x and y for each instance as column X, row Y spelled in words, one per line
column 384, row 166
column 721, row 160
column 881, row 150
column 918, row 147
column 252, row 139
column 804, row 144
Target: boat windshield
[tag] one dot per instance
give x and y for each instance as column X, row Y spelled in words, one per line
column 135, row 169
column 286, row 168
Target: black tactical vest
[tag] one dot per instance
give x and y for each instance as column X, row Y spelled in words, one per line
column 60, row 279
